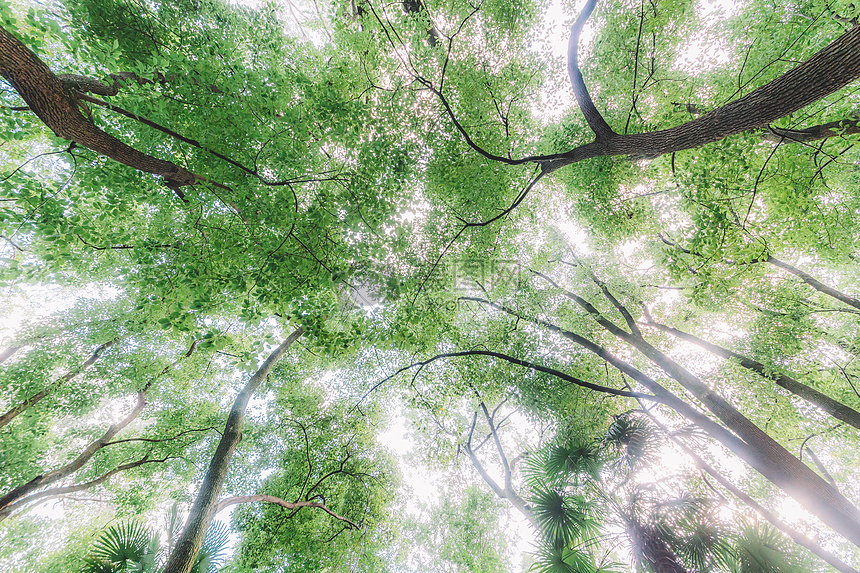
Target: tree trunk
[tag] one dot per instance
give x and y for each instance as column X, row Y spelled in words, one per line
column 54, row 102
column 781, row 467
column 35, row 398
column 748, row 441
column 60, row 473
column 184, row 553
column 795, row 535
column 836, row 409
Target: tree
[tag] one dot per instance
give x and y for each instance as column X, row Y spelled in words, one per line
column 227, row 179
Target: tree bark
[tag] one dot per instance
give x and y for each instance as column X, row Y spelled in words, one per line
column 833, row 407
column 54, row 102
column 181, row 559
column 38, row 396
column 782, row 468
column 44, row 479
column 748, row 441
column 814, row 133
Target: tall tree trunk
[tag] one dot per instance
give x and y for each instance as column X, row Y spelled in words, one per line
column 748, row 441
column 833, row 407
column 783, row 469
column 60, row 473
column 184, row 553
column 38, row 396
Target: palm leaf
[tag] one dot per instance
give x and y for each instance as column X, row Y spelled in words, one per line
column 214, row 550
column 561, row 519
column 562, row 560
column 123, row 544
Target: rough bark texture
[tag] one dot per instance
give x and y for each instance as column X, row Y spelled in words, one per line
column 829, row 70
column 54, row 102
column 833, row 407
column 814, row 133
column 60, row 473
column 38, row 396
column 181, row 559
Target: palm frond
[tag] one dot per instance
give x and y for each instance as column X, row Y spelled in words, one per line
column 123, row 544
column 562, row 519
column 636, row 440
column 562, row 560
column 763, row 549
column 574, row 459
column 214, row 550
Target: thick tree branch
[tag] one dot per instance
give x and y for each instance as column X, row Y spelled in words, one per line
column 54, row 102
column 814, row 133
column 595, row 121
column 795, row 535
column 506, row 493
column 833, row 407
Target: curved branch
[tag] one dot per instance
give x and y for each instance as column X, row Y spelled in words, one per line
column 60, row 491
column 283, row 503
column 62, row 472
column 595, row 121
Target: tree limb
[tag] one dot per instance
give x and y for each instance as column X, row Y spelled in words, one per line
column 283, row 503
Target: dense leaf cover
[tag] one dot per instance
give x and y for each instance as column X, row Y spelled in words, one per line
column 609, row 287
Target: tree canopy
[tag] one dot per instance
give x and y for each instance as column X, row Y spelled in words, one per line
column 598, row 259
